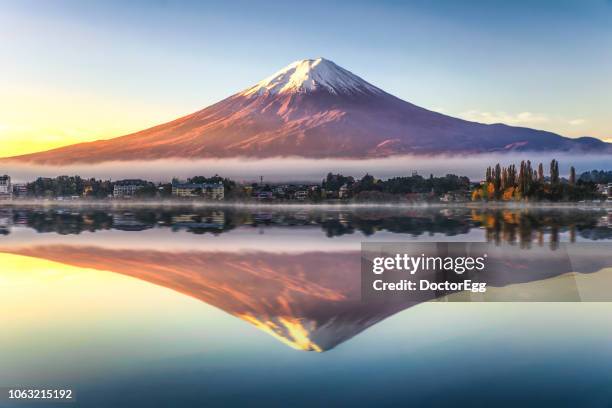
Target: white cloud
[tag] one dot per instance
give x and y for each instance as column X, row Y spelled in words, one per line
column 576, row 122
column 521, row 118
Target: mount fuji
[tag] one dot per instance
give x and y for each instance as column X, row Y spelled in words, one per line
column 315, row 109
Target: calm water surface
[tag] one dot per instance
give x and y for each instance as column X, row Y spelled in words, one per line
column 219, row 307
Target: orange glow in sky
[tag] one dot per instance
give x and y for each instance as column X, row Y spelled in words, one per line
column 33, row 120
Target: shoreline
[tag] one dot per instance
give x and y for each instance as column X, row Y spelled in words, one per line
column 607, row 205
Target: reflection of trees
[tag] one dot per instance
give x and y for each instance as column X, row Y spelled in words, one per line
column 522, row 226
column 66, row 222
column 409, row 224
column 528, row 226
column 335, row 227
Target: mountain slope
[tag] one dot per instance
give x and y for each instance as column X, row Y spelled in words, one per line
column 316, row 109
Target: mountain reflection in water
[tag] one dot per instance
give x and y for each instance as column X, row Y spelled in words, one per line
column 309, row 299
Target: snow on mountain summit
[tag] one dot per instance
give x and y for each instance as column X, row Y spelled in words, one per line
column 312, row 75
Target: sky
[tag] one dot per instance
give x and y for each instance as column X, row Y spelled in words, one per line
column 76, row 71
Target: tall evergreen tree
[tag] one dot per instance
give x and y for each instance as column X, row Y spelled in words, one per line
column 554, row 172
column 512, row 175
column 522, row 185
column 497, row 179
column 529, row 177
column 541, row 173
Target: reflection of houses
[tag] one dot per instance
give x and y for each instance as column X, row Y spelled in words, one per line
column 6, row 190
column 20, row 218
column 6, row 221
column 215, row 220
column 127, row 188
column 211, row 191
column 263, row 217
column 605, row 221
column 129, row 222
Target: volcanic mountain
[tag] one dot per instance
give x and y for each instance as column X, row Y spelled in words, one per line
column 316, row 109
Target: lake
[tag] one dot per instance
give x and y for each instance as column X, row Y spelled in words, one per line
column 242, row 306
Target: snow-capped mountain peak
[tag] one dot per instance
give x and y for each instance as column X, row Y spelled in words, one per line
column 311, row 75
column 314, row 109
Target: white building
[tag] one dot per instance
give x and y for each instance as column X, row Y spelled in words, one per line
column 301, row 195
column 6, row 189
column 127, row 188
column 210, row 191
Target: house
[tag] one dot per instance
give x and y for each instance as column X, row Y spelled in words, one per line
column 210, row 191
column 265, row 195
column 6, row 189
column 87, row 190
column 343, row 192
column 184, row 189
column 20, row 190
column 605, row 190
column 455, row 196
column 127, row 188
column 602, row 189
column 301, row 195
column 330, row 194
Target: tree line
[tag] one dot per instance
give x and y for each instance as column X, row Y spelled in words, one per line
column 371, row 188
column 69, row 186
column 532, row 184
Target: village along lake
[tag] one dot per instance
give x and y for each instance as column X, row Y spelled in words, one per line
column 149, row 305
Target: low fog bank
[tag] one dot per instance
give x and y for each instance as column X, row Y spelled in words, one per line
column 300, row 169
